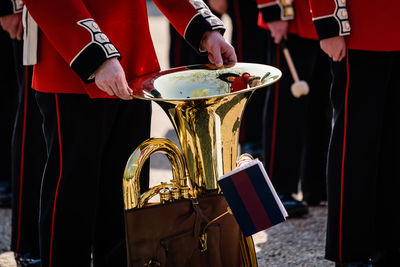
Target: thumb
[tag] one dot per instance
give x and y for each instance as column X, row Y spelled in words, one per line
column 217, row 57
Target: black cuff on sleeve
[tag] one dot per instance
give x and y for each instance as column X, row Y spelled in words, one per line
column 90, row 59
column 198, row 26
column 271, row 13
column 327, row 27
column 94, row 53
column 6, row 8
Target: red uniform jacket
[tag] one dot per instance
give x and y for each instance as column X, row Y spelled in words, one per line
column 297, row 12
column 370, row 25
column 79, row 35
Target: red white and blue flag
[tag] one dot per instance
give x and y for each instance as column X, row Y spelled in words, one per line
column 252, row 198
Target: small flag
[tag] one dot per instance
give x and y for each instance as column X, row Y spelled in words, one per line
column 252, row 198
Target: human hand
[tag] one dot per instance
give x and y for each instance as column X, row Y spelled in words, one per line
column 334, row 47
column 220, row 52
column 110, row 78
column 13, row 25
column 278, row 30
column 219, row 6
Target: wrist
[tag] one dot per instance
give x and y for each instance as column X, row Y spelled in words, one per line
column 109, row 61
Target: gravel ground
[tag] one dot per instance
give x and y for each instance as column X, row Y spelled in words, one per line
column 296, row 242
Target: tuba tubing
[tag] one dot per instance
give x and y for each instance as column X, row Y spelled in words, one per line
column 131, row 179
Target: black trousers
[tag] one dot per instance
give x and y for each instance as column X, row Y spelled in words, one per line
column 251, row 45
column 8, row 109
column 363, row 174
column 297, row 130
column 28, row 159
column 88, row 143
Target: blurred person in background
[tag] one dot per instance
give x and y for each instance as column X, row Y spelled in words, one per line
column 297, row 129
column 362, row 38
column 28, row 146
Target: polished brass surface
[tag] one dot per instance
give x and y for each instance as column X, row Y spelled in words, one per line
column 206, row 116
column 165, row 195
column 175, row 193
column 208, row 131
column 185, row 191
column 131, row 185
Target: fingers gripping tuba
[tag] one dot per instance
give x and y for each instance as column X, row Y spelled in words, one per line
column 206, row 115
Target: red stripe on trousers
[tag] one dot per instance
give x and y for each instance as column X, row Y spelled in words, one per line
column 275, row 118
column 58, row 182
column 251, row 201
column 343, row 158
column 21, row 174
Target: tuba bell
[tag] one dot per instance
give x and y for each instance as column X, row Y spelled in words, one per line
column 206, row 115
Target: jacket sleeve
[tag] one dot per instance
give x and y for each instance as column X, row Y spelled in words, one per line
column 330, row 18
column 191, row 18
column 273, row 10
column 74, row 33
column 8, row 7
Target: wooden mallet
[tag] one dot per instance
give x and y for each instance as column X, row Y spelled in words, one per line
column 299, row 87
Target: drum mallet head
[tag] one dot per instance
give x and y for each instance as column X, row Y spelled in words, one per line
column 299, row 87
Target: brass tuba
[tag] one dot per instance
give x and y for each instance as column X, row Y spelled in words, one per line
column 206, row 115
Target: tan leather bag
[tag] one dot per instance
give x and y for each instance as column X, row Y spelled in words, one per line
column 184, row 233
